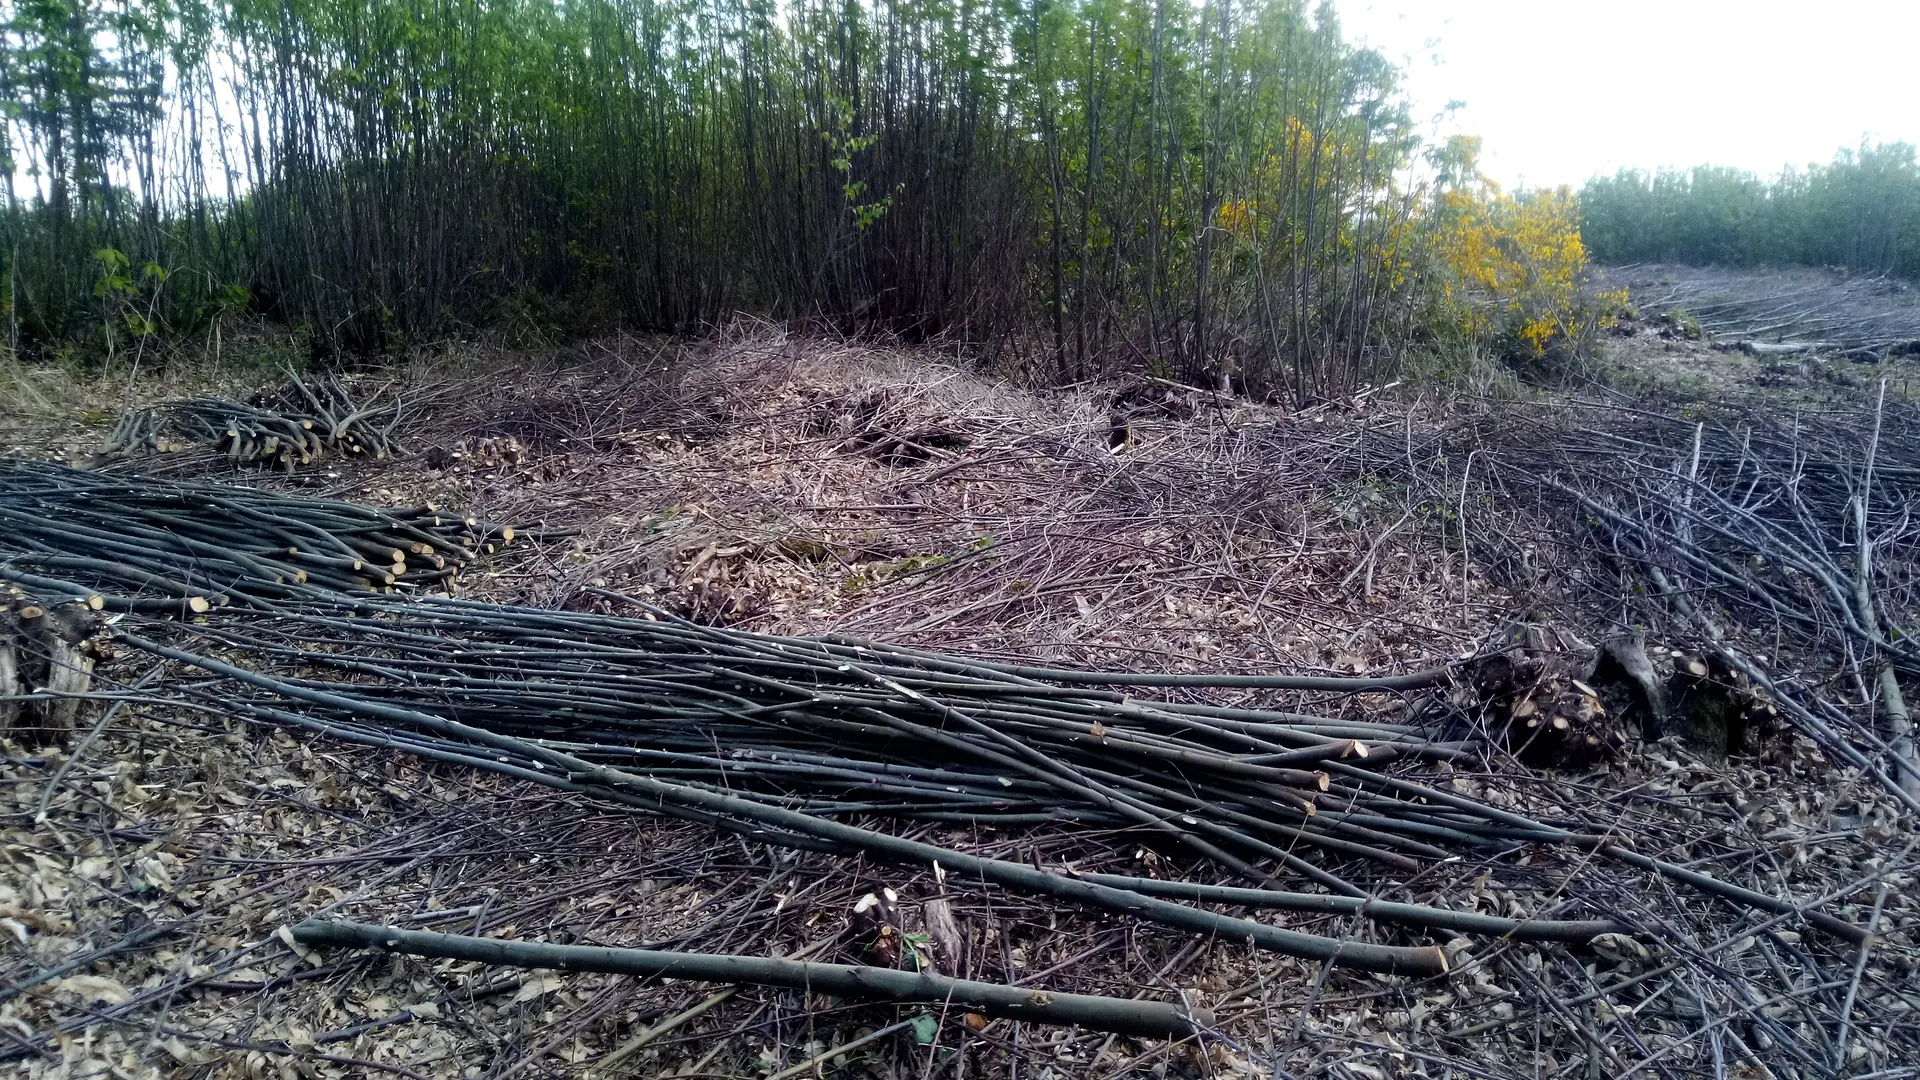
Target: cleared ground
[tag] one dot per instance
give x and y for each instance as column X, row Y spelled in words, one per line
column 800, row 486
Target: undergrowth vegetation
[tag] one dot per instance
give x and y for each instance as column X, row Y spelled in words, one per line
column 1206, row 191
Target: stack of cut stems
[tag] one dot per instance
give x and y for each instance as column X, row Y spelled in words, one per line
column 302, row 425
column 803, row 742
column 131, row 543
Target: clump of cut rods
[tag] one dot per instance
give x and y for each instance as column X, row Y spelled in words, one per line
column 297, row 427
column 801, row 742
column 131, row 543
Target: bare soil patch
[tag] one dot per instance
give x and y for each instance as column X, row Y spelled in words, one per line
column 1809, row 334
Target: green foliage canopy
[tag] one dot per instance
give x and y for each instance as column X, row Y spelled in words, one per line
column 1213, row 189
column 1860, row 211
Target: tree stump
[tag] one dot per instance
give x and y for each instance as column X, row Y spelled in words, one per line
column 1715, row 709
column 48, row 648
column 1673, row 693
column 1539, row 704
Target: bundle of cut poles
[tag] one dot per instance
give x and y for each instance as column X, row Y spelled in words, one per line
column 131, row 543
column 804, row 742
column 298, row 427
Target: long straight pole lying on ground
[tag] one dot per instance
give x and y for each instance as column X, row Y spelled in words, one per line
column 1152, row 1019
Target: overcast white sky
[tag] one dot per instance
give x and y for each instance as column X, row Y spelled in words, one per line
column 1564, row 89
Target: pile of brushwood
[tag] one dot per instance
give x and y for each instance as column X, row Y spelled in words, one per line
column 816, row 743
column 792, row 740
column 847, row 746
column 1784, row 545
column 285, row 429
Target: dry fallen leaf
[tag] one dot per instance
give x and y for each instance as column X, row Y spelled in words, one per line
column 538, row 986
column 95, row 988
column 285, row 934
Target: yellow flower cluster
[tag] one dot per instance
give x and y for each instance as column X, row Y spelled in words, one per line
column 1239, row 216
column 1515, row 260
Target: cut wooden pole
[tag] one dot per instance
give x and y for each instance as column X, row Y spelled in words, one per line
column 1432, row 918
column 1152, row 1019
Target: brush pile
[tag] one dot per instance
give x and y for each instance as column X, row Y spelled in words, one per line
column 843, row 729
column 133, row 543
column 1549, row 891
column 294, row 427
column 1787, row 544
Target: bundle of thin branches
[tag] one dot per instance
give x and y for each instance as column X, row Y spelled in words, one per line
column 793, row 740
column 296, row 427
column 1793, row 536
column 132, row 543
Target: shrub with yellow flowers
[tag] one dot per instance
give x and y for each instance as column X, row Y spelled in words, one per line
column 1511, row 267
